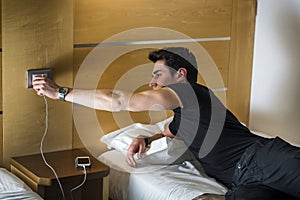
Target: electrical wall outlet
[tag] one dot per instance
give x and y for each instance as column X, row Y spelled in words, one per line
column 31, row 73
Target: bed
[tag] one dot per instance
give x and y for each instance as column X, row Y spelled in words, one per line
column 12, row 188
column 166, row 171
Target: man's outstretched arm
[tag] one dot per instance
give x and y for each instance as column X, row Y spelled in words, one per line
column 111, row 100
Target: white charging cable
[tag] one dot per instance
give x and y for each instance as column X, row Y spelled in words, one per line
column 41, row 150
column 78, row 186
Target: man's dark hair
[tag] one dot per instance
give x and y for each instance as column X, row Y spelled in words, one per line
column 176, row 58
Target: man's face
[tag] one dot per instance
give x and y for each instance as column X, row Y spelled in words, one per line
column 161, row 76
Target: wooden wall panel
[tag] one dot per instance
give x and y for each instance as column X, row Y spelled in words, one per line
column 1, row 140
column 36, row 34
column 79, row 56
column 1, row 97
column 1, row 24
column 40, row 34
column 118, row 69
column 1, row 117
column 219, row 52
column 96, row 20
column 241, row 57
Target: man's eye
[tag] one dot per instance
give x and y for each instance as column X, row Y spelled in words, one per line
column 157, row 75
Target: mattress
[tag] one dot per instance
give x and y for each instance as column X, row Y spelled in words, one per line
column 11, row 187
column 181, row 181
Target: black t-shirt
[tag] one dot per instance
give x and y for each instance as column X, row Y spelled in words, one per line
column 213, row 134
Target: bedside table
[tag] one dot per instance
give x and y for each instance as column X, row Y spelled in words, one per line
column 33, row 171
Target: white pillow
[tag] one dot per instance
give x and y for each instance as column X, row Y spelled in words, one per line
column 122, row 138
column 162, row 151
column 11, row 187
column 166, row 151
column 10, row 183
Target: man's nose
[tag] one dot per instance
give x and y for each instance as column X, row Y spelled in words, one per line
column 152, row 83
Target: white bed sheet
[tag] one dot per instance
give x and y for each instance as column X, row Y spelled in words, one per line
column 159, row 182
column 12, row 188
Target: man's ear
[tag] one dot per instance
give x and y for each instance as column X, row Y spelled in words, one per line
column 182, row 73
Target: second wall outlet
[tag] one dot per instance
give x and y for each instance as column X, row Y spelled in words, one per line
column 36, row 72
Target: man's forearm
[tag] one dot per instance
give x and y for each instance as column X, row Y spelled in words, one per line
column 101, row 99
column 165, row 133
column 152, row 138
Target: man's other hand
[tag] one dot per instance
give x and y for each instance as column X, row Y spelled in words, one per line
column 138, row 146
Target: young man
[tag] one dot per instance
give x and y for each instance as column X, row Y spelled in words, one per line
column 251, row 167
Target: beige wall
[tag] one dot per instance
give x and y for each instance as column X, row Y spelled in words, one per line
column 275, row 108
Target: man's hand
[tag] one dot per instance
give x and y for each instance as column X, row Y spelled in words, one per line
column 138, row 145
column 45, row 87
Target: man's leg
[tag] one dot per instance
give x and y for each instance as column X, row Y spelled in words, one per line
column 272, row 163
column 280, row 164
column 256, row 192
